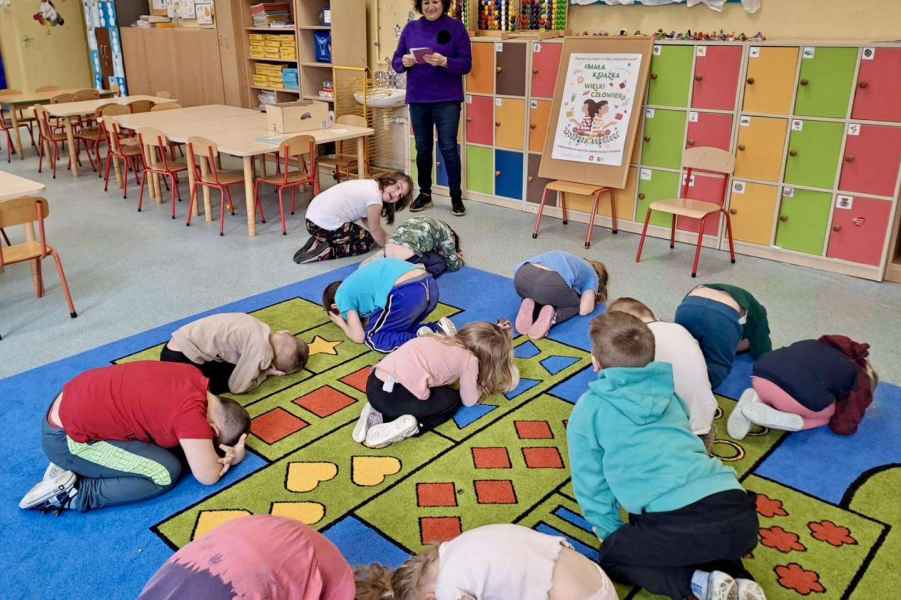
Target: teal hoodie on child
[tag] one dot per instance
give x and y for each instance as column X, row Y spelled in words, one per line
column 630, row 445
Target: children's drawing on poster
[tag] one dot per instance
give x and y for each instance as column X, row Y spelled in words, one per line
column 596, row 108
column 47, row 14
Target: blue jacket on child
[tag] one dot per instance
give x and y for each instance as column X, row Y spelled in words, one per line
column 630, row 446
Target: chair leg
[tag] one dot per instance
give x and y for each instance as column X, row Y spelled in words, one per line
column 562, row 198
column 259, row 206
column 694, row 265
column 5, row 237
column 191, row 204
column 594, row 214
column 109, row 161
column 540, row 212
column 644, row 235
column 173, row 192
column 127, row 163
column 613, row 211
column 729, row 231
column 38, row 279
column 293, row 199
column 228, row 195
column 281, row 210
column 222, row 197
column 141, row 192
column 62, row 279
column 672, row 231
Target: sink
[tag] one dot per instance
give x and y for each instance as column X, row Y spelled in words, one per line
column 383, row 97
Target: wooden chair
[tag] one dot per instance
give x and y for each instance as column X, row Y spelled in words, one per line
column 582, row 189
column 158, row 160
column 711, row 162
column 6, row 128
column 140, row 106
column 292, row 149
column 343, row 162
column 27, row 211
column 119, row 148
column 165, row 106
column 24, row 117
column 50, row 139
column 93, row 135
column 203, row 160
column 85, row 94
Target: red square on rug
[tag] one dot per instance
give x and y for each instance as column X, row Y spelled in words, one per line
column 434, row 530
column 542, row 458
column 276, row 425
column 357, row 379
column 436, row 494
column 324, row 401
column 490, row 458
column 533, row 430
column 495, row 492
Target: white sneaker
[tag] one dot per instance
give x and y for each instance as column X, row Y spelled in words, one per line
column 61, row 482
column 424, row 330
column 738, row 424
column 53, row 470
column 386, row 434
column 763, row 414
column 368, row 417
column 749, row 590
column 721, row 586
column 447, row 326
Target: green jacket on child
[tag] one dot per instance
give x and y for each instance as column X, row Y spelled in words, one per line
column 630, row 446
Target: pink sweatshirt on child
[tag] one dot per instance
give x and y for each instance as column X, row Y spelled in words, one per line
column 427, row 362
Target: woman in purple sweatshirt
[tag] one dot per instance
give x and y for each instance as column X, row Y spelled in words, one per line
column 435, row 53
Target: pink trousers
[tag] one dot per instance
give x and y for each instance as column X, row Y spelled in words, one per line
column 773, row 395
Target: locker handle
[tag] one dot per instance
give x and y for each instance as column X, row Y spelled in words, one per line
column 497, row 123
column 733, row 211
column 497, row 173
column 836, row 228
column 793, row 153
column 653, row 76
column 863, row 85
column 849, row 159
column 533, row 126
column 469, row 119
column 535, row 71
column 499, row 69
column 699, row 78
column 783, row 218
column 646, row 139
column 804, row 82
column 641, row 196
column 741, row 147
column 690, row 143
column 750, row 81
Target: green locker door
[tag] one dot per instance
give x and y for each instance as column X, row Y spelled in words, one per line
column 653, row 186
column 802, row 220
column 479, row 170
column 826, row 81
column 670, row 76
column 813, row 151
column 663, row 138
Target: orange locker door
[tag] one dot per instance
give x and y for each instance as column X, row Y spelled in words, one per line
column 539, row 113
column 769, row 86
column 761, row 147
column 509, row 123
column 753, row 212
column 481, row 78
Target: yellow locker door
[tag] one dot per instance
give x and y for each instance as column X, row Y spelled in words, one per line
column 753, row 212
column 761, row 146
column 481, row 78
column 770, row 82
column 509, row 123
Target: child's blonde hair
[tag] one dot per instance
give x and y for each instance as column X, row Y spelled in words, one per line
column 493, row 348
column 632, row 307
column 603, row 277
column 376, row 582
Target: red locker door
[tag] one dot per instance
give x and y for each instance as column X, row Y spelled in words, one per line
column 545, row 61
column 709, row 129
column 871, row 161
column 479, row 120
column 859, row 227
column 715, row 83
column 708, row 188
column 878, row 96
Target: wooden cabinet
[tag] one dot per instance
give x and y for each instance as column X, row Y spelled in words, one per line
column 715, row 81
column 813, row 151
column 508, row 174
column 859, row 228
column 803, row 217
column 479, row 170
column 652, row 186
column 825, row 82
column 539, row 115
column 510, row 69
column 509, row 123
column 479, row 119
column 662, row 138
column 761, row 143
column 878, row 93
column 752, row 208
column 545, row 63
column 872, row 160
column 670, row 76
column 481, row 78
column 709, row 129
column 769, row 84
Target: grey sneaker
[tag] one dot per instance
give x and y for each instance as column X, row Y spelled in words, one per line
column 386, row 434
column 738, row 424
column 721, row 586
column 447, row 326
column 368, row 417
column 61, row 482
column 749, row 590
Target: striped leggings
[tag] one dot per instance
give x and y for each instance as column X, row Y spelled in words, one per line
column 112, row 472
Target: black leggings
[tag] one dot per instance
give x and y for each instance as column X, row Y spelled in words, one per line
column 443, row 403
column 218, row 372
column 546, row 287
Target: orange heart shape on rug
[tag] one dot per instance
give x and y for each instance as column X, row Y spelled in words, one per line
column 370, row 471
column 306, row 477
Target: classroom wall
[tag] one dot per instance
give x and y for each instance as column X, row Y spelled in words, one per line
column 50, row 55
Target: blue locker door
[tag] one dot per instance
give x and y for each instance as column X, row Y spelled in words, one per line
column 442, row 169
column 508, row 174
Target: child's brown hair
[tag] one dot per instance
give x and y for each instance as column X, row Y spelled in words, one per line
column 493, row 348
column 620, row 340
column 376, row 582
column 603, row 278
column 633, row 307
column 389, row 208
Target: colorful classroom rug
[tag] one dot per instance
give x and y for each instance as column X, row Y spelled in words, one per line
column 829, row 506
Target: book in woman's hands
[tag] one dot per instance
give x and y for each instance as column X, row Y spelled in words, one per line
column 420, row 54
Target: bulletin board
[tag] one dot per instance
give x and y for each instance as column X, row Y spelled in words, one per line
column 596, row 110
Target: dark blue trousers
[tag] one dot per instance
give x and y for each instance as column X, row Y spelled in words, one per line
column 444, row 117
column 407, row 306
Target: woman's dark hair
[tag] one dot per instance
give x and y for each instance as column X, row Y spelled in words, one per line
column 595, row 107
column 445, row 6
column 328, row 296
column 389, row 208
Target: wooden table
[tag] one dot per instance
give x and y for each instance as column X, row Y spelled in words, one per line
column 67, row 111
column 17, row 102
column 240, row 132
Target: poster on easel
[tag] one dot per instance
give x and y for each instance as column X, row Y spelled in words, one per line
column 596, row 108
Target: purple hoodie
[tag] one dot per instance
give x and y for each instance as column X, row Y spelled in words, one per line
column 426, row 83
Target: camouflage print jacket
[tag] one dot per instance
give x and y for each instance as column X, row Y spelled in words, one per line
column 425, row 234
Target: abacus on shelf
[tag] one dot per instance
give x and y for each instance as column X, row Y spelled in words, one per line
column 535, row 19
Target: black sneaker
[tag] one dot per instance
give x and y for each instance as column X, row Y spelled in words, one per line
column 315, row 252
column 422, row 202
column 457, row 207
column 303, row 249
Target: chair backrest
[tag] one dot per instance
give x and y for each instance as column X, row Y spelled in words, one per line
column 43, row 120
column 60, row 98
column 297, row 145
column 707, row 158
column 86, row 94
column 199, row 150
column 98, row 112
column 47, row 88
column 151, row 136
column 110, row 126
column 355, row 120
column 163, row 94
column 113, row 109
column 165, row 106
column 22, row 211
column 140, row 106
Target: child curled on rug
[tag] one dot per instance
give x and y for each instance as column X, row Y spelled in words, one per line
column 674, row 344
column 630, row 446
column 384, row 303
column 255, row 557
column 410, row 391
column 808, row 384
column 492, row 562
column 110, row 432
column 725, row 320
column 556, row 286
column 235, row 351
column 345, row 220
column 424, row 240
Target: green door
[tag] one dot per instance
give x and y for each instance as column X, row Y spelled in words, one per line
column 802, row 221
column 479, row 170
column 826, row 81
column 663, row 138
column 813, row 151
column 670, row 78
column 653, row 186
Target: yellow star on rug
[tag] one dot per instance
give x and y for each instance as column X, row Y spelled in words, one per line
column 321, row 345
